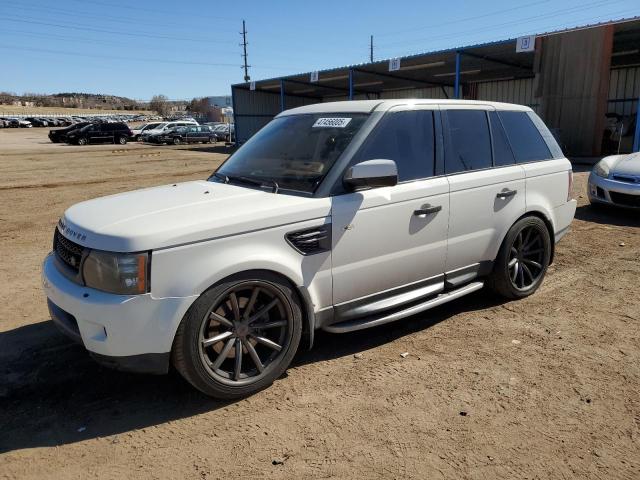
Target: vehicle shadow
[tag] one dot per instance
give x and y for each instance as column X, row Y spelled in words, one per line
column 219, row 147
column 52, row 393
column 607, row 215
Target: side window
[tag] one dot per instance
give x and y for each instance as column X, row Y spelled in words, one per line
column 469, row 143
column 525, row 139
column 502, row 154
column 407, row 138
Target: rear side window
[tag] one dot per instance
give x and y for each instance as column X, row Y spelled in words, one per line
column 526, row 142
column 469, row 143
column 502, row 154
column 406, row 138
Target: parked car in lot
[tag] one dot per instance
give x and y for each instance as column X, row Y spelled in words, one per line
column 192, row 134
column 165, row 127
column 335, row 216
column 37, row 122
column 136, row 132
column 615, row 180
column 116, row 132
column 224, row 132
column 60, row 134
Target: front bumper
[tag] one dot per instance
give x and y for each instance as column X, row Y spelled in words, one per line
column 612, row 192
column 129, row 332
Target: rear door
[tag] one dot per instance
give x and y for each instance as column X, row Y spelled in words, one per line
column 487, row 189
column 545, row 171
column 381, row 238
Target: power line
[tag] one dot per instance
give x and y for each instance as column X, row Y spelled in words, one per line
column 467, row 19
column 506, row 24
column 101, row 30
column 107, row 18
column 147, row 11
column 134, row 59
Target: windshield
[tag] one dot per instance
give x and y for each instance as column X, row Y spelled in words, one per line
column 295, row 151
column 160, row 126
column 149, row 126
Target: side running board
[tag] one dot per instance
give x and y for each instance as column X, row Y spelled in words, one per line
column 362, row 323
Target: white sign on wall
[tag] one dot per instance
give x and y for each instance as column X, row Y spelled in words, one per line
column 394, row 64
column 252, row 86
column 313, row 77
column 526, row 44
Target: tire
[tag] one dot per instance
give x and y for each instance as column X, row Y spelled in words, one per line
column 176, row 141
column 211, row 140
column 82, row 141
column 523, row 259
column 122, row 140
column 212, row 367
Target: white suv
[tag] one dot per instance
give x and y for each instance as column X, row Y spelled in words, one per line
column 335, row 216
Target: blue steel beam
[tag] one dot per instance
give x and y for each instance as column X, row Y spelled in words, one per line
column 281, row 95
column 456, row 88
column 636, row 137
column 351, row 84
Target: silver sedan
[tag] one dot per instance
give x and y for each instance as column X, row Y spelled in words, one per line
column 615, row 180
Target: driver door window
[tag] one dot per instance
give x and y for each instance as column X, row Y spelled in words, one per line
column 379, row 240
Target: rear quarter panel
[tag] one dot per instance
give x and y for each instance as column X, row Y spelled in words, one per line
column 547, row 185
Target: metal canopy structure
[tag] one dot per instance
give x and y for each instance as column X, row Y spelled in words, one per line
column 492, row 71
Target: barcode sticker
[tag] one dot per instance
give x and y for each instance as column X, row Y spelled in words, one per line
column 331, row 122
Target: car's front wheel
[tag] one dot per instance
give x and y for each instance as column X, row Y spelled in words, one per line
column 522, row 260
column 122, row 140
column 82, row 141
column 239, row 336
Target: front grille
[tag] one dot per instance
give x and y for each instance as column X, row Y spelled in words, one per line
column 68, row 252
column 312, row 240
column 626, row 178
column 625, row 199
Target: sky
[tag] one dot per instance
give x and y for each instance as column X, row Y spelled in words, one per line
column 187, row 49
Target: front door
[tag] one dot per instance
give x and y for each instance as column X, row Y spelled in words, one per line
column 392, row 237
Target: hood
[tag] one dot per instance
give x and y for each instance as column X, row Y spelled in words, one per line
column 628, row 165
column 182, row 213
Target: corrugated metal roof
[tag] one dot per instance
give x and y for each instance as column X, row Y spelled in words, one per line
column 445, row 51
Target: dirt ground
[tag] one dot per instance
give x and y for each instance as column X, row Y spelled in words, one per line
column 546, row 387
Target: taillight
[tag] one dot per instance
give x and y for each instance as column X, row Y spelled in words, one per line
column 570, row 190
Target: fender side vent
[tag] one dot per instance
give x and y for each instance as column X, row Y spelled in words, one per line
column 311, row 240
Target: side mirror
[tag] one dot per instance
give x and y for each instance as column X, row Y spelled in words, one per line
column 371, row 174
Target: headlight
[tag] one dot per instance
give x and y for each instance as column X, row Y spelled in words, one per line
column 121, row 273
column 601, row 169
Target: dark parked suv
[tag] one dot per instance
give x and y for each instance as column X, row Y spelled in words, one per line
column 191, row 134
column 60, row 134
column 117, row 132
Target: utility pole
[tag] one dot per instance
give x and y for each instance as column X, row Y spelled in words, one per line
column 371, row 49
column 244, row 55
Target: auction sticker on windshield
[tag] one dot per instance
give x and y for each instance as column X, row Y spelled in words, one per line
column 331, row 122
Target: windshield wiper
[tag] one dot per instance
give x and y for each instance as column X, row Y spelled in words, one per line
column 224, row 178
column 252, row 181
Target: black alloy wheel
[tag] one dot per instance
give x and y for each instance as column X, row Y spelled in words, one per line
column 523, row 259
column 239, row 336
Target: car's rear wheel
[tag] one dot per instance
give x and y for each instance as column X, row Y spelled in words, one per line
column 82, row 141
column 239, row 336
column 523, row 259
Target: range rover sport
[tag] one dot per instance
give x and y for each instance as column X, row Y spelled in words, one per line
column 335, row 216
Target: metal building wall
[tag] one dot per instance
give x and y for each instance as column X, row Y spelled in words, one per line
column 254, row 109
column 571, row 86
column 624, row 90
column 519, row 91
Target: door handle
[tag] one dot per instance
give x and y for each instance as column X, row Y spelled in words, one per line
column 506, row 194
column 427, row 209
